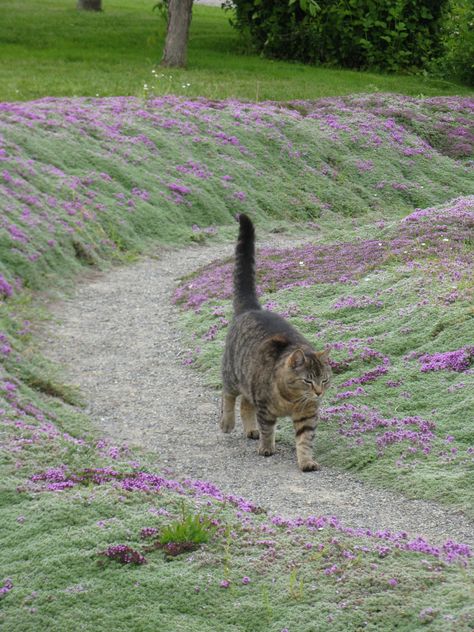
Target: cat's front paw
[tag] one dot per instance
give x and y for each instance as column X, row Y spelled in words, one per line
column 226, row 424
column 309, row 466
column 252, row 434
column 266, row 451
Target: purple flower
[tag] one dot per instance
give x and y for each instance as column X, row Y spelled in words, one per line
column 148, row 532
column 7, row 586
column 245, row 580
column 459, row 360
column 143, row 195
column 358, row 391
column 428, row 614
column 5, row 287
column 17, row 234
column 124, row 554
column 181, row 189
column 393, row 383
column 331, row 570
column 196, row 169
column 364, row 165
column 347, row 302
column 369, row 376
column 225, row 583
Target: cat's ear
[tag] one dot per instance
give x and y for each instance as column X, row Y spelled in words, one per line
column 297, row 359
column 323, row 355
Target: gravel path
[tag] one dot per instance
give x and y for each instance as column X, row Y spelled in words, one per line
column 117, row 342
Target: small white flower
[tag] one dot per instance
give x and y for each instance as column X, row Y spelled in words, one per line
column 445, row 239
column 301, row 263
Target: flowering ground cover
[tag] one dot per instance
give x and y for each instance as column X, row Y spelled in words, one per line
column 80, row 522
column 82, row 179
column 385, row 281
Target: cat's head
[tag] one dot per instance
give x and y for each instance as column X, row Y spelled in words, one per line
column 306, row 374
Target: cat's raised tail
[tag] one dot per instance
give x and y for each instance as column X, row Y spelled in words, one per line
column 245, row 294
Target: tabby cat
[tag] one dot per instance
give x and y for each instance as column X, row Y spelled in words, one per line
column 269, row 364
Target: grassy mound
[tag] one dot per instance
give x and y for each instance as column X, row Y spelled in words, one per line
column 85, row 179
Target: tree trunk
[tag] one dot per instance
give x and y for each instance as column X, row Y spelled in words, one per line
column 89, row 5
column 176, row 44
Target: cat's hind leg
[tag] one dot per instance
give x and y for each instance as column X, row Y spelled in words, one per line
column 249, row 419
column 227, row 412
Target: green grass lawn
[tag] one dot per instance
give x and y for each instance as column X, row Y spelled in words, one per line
column 48, row 48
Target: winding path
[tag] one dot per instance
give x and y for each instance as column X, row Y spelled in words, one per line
column 117, row 342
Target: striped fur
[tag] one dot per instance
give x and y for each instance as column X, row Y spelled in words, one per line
column 269, row 364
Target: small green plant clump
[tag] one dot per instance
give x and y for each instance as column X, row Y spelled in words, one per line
column 187, row 533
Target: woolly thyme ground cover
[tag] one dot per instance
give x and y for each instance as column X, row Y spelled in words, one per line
column 382, row 187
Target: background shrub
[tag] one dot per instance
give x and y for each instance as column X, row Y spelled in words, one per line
column 458, row 40
column 387, row 34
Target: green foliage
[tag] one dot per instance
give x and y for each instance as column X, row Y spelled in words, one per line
column 189, row 528
column 162, row 8
column 386, row 35
column 458, row 39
